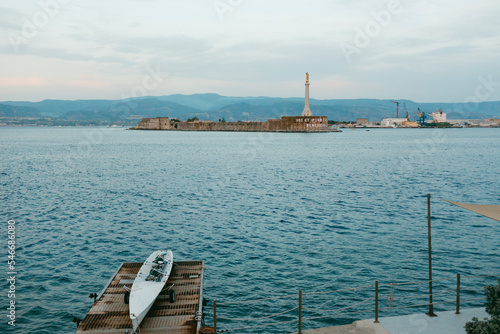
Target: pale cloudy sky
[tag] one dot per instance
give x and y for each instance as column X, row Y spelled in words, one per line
column 426, row 51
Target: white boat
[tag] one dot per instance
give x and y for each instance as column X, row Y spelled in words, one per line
column 148, row 284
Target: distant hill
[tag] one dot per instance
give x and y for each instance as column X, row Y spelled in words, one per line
column 18, row 111
column 214, row 107
column 203, row 102
column 56, row 108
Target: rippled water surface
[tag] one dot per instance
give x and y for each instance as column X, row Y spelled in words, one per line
column 270, row 213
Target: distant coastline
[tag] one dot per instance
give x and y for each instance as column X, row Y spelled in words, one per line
column 128, row 112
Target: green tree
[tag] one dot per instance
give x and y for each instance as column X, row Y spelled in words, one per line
column 492, row 306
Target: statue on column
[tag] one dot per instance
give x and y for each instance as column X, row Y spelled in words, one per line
column 307, row 76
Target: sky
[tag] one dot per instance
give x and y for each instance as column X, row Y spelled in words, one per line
column 425, row 51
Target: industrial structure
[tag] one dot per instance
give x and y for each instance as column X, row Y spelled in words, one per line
column 397, row 108
column 421, row 117
column 438, row 116
column 438, row 119
column 392, row 122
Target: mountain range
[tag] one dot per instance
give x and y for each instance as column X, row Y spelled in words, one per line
column 214, row 107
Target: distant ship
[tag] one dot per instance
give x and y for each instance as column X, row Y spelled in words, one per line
column 439, row 116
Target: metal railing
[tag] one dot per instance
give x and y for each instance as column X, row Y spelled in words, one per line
column 396, row 295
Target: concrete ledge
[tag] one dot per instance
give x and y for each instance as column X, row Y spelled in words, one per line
column 445, row 323
column 359, row 327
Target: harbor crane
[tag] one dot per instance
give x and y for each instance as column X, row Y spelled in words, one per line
column 397, row 108
column 407, row 114
column 421, row 117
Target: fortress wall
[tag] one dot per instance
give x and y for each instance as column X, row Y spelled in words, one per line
column 164, row 123
column 149, row 124
column 226, row 126
column 238, row 126
column 284, row 124
column 158, row 123
column 193, row 126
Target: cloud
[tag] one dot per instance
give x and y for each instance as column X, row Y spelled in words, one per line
column 22, row 81
column 11, row 18
column 171, row 46
column 265, row 47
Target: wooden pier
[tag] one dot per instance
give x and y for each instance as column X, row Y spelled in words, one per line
column 110, row 314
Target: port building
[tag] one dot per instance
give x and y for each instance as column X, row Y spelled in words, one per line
column 392, row 122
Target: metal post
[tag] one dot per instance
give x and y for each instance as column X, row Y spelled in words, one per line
column 376, row 301
column 431, row 306
column 215, row 316
column 458, row 294
column 93, row 295
column 300, row 312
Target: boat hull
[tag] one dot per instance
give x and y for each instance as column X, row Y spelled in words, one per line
column 148, row 284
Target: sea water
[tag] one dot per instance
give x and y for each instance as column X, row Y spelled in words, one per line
column 270, row 213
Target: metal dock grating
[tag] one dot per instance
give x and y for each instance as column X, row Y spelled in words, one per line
column 109, row 314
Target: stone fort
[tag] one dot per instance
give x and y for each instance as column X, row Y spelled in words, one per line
column 305, row 123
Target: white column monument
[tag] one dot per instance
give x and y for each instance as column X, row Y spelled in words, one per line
column 307, row 109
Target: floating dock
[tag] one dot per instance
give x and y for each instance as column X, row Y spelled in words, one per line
column 110, row 315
